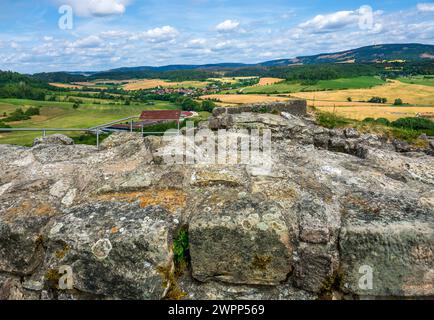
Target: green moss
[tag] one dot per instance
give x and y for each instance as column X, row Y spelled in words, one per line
column 181, row 257
column 330, row 285
column 261, row 262
column 52, row 277
column 60, row 254
column 170, row 280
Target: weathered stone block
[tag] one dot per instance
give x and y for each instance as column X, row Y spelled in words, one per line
column 241, row 241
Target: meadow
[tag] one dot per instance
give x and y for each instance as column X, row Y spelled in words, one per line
column 63, row 115
column 421, row 80
column 297, row 86
column 346, row 97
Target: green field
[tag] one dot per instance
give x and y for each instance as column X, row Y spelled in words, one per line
column 337, row 84
column 421, row 80
column 62, row 115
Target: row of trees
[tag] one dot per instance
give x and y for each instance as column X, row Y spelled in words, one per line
column 20, row 115
column 15, row 85
column 417, row 124
column 189, row 104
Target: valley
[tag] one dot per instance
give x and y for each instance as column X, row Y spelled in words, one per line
column 355, row 91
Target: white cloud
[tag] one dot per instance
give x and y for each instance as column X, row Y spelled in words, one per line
column 88, row 42
column 426, row 7
column 227, row 26
column 333, row 21
column 98, row 8
column 162, row 34
column 114, row 34
column 197, row 43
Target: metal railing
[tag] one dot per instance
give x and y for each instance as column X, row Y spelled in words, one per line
column 96, row 130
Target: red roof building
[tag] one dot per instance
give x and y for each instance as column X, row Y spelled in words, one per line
column 161, row 115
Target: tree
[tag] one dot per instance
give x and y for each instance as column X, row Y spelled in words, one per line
column 208, row 105
column 349, row 99
column 17, row 115
column 378, row 100
column 32, row 111
column 398, row 102
column 76, row 105
column 188, row 104
column 4, row 125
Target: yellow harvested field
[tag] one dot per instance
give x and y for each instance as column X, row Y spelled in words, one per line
column 85, row 84
column 230, row 80
column 243, row 98
column 269, row 81
column 388, row 112
column 66, row 85
column 144, row 84
column 153, row 83
column 330, row 103
column 106, row 81
column 409, row 93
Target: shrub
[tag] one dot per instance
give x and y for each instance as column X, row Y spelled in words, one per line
column 369, row 120
column 32, row 111
column 208, row 105
column 181, row 247
column 415, row 124
column 4, row 125
column 383, row 121
column 377, row 100
column 90, row 139
column 263, row 110
column 331, row 120
column 17, row 115
column 398, row 102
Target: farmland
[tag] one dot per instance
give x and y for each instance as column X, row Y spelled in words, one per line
column 421, row 80
column 268, row 81
column 297, row 86
column 326, row 95
column 243, row 98
column 89, row 101
column 231, row 80
column 153, row 83
column 409, row 93
column 62, row 115
column 388, row 112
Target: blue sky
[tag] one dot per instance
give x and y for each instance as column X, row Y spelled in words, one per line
column 116, row 33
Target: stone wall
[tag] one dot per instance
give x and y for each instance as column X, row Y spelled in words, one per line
column 294, row 107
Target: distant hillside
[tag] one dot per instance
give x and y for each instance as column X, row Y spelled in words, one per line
column 410, row 53
column 181, row 67
column 377, row 53
column 15, row 85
